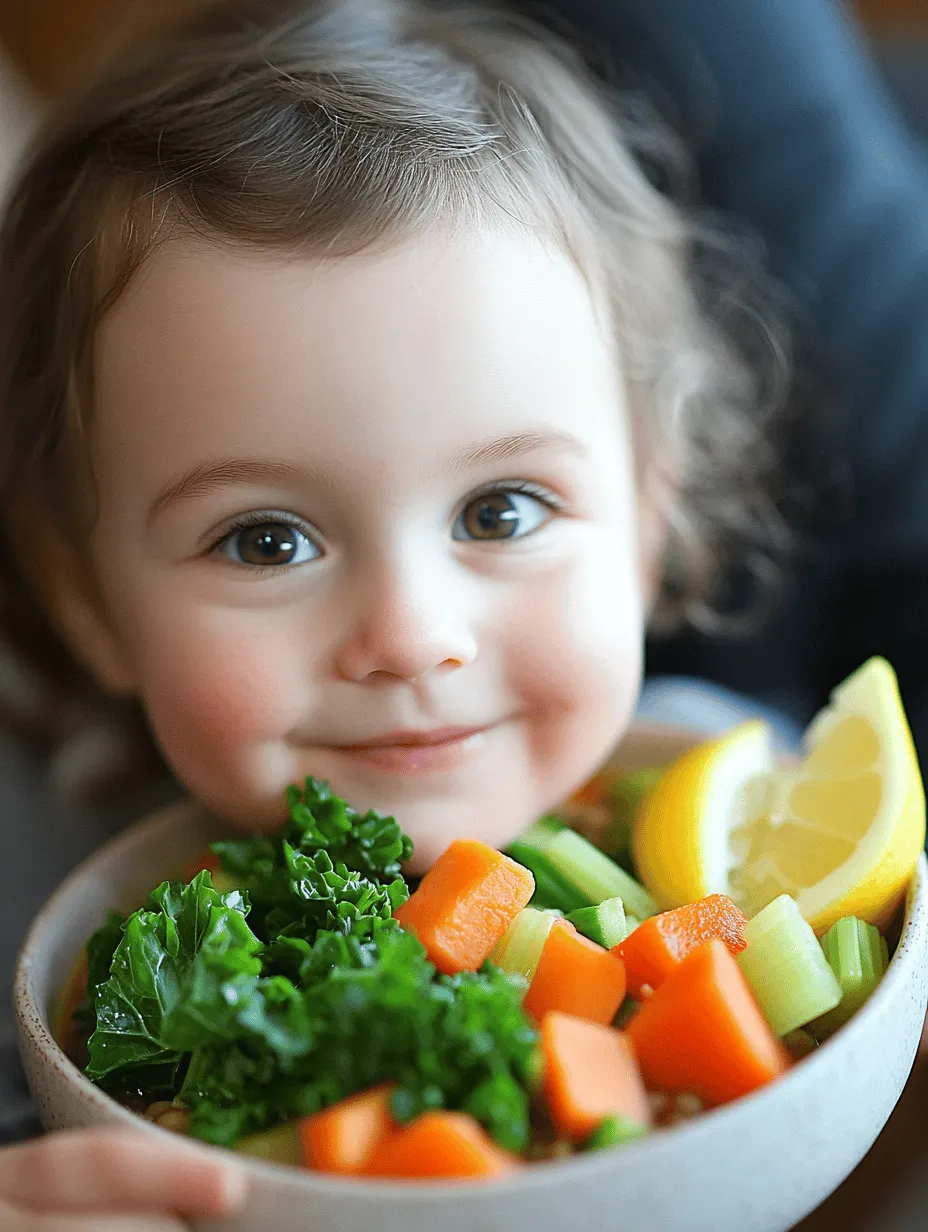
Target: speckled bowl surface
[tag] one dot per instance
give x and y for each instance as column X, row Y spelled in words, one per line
column 756, row 1165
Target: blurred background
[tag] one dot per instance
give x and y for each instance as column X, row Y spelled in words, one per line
column 44, row 44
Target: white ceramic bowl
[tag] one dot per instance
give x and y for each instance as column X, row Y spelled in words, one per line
column 757, row 1165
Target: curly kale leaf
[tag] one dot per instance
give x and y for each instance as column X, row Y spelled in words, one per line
column 371, row 844
column 372, row 1010
column 319, row 821
column 304, row 894
column 329, row 868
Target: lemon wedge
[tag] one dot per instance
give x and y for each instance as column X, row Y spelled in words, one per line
column 681, row 839
column 841, row 831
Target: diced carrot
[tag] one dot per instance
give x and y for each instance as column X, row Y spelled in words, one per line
column 590, row 1074
column 205, row 860
column 703, row 1032
column 576, row 976
column 659, row 944
column 342, row 1137
column 464, row 904
column 440, row 1145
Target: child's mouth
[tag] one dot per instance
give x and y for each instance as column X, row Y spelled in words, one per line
column 414, row 752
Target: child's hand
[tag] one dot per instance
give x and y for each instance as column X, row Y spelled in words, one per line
column 111, row 1181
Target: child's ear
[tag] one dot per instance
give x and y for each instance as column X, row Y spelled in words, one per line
column 75, row 608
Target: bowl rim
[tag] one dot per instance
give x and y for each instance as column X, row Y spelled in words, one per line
column 33, row 1020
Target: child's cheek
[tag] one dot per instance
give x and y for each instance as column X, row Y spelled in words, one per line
column 215, row 702
column 577, row 664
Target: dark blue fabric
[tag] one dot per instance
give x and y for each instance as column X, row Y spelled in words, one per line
column 796, row 133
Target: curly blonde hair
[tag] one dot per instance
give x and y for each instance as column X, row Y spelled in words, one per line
column 330, row 127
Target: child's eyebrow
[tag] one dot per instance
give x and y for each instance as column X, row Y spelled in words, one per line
column 208, row 476
column 514, row 446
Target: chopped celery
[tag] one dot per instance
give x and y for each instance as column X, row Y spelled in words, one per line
column 519, row 949
column 280, row 1145
column 626, row 793
column 858, row 955
column 540, row 832
column 631, row 923
column 604, row 924
column 785, row 966
column 781, row 911
column 614, row 1131
column 552, row 889
column 595, row 875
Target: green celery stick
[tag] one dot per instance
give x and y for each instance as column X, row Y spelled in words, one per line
column 614, row 1131
column 604, row 924
column 540, row 832
column 631, row 923
column 858, row 956
column 519, row 949
column 280, row 1145
column 626, row 793
column 552, row 889
column 595, row 875
column 786, row 968
column 779, row 912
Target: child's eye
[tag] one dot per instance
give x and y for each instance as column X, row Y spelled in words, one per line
column 506, row 513
column 268, row 543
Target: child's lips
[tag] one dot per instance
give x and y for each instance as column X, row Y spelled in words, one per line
column 443, row 748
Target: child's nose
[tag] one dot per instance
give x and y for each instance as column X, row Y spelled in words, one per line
column 408, row 623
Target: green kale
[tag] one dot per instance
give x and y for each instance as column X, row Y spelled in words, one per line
column 370, row 1010
column 372, row 844
column 281, row 998
column 149, row 964
column 303, row 894
column 100, row 950
column 328, row 868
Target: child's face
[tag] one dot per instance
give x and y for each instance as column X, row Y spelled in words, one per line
column 371, row 519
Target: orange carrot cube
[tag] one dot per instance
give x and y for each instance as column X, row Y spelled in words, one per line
column 590, row 1074
column 341, row 1138
column 576, row 976
column 659, row 944
column 465, row 903
column 702, row 1031
column 440, row 1145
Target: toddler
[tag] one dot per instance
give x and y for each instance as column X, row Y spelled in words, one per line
column 361, row 406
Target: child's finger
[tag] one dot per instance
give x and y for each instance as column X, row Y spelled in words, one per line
column 109, row 1170
column 30, row 1221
